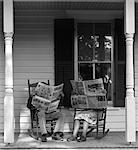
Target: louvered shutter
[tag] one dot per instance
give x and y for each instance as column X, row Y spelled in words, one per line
column 64, row 56
column 120, row 64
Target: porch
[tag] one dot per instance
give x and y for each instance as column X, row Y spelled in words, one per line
column 35, row 60
column 113, row 140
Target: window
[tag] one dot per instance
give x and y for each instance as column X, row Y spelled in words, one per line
column 95, row 53
column 95, row 56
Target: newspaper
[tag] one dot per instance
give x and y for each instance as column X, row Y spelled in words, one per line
column 47, row 97
column 94, row 87
column 78, row 87
column 88, row 94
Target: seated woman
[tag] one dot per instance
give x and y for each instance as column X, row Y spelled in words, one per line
column 88, row 117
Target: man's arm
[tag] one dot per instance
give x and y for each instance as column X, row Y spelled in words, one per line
column 29, row 103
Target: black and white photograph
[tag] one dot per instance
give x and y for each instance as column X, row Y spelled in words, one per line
column 68, row 74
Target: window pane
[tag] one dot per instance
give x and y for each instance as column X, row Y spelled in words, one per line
column 94, row 42
column 107, row 47
column 85, row 42
column 104, row 71
column 86, row 71
column 103, row 48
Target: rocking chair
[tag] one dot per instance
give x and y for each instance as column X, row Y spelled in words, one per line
column 88, row 95
column 50, row 122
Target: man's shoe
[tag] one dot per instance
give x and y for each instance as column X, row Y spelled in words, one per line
column 44, row 137
column 58, row 136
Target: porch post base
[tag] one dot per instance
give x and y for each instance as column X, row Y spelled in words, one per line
column 8, row 117
column 130, row 133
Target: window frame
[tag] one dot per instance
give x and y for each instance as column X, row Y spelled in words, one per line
column 110, row 103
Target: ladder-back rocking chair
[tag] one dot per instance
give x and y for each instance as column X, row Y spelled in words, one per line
column 90, row 94
column 33, row 103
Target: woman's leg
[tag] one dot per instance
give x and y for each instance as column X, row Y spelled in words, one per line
column 84, row 132
column 75, row 131
column 85, row 128
column 76, row 128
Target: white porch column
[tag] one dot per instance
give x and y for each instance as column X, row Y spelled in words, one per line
column 8, row 99
column 130, row 99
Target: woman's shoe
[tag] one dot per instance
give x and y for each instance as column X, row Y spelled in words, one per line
column 81, row 139
column 72, row 138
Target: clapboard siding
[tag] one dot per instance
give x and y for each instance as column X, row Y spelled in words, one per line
column 33, row 57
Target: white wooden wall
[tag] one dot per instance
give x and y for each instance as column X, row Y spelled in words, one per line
column 33, row 53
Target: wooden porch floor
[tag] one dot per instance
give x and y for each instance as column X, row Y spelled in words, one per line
column 113, row 140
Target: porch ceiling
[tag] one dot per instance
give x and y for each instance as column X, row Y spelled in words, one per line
column 43, row 5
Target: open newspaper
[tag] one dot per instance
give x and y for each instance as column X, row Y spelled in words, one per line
column 88, row 94
column 47, row 97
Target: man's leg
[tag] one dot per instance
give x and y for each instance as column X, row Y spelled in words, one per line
column 42, row 124
column 59, row 127
column 60, row 122
column 42, row 121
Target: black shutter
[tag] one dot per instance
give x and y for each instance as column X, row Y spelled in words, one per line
column 64, row 56
column 120, row 64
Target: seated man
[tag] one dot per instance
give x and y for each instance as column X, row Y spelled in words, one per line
column 42, row 116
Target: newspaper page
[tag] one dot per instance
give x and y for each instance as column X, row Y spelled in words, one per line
column 94, row 87
column 56, row 91
column 53, row 106
column 78, row 87
column 40, row 102
column 97, row 101
column 79, row 101
column 49, row 92
column 43, row 90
